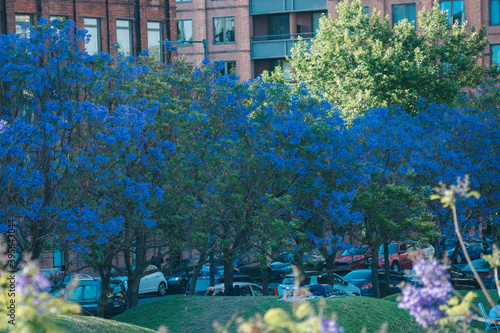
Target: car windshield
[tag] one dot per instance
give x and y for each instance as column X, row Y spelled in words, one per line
column 354, row 275
column 355, row 251
column 393, row 248
column 478, row 264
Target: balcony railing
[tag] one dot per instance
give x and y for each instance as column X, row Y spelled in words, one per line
column 276, row 46
column 259, row 7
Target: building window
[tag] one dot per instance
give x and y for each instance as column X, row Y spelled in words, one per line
column 124, row 36
column 494, row 12
column 23, row 24
column 284, row 65
column 404, row 11
column 224, row 30
column 154, row 38
column 58, row 258
column 366, row 10
column 278, row 26
column 495, row 54
column 455, row 11
column 229, row 67
column 182, row 0
column 185, row 31
column 93, row 46
column 315, row 21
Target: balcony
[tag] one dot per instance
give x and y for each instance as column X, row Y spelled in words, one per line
column 276, row 46
column 259, row 7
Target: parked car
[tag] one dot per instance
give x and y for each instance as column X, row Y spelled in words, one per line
column 474, row 249
column 289, row 284
column 149, row 283
column 362, row 278
column 484, row 270
column 459, row 279
column 359, row 255
column 401, row 255
column 178, row 281
column 202, row 283
column 241, row 289
column 247, row 263
column 280, row 269
column 87, row 294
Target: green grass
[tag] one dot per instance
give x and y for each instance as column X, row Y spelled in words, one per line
column 82, row 324
column 185, row 314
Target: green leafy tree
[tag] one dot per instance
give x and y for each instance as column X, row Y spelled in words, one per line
column 359, row 62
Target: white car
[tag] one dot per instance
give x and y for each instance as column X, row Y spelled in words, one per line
column 339, row 283
column 241, row 289
column 150, row 283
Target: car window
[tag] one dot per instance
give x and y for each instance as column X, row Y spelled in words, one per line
column 393, row 248
column 245, row 291
column 257, row 291
column 360, row 250
column 149, row 269
column 89, row 293
column 322, row 279
column 115, row 289
column 244, row 259
column 75, row 294
column 288, row 280
column 358, row 275
column 337, row 280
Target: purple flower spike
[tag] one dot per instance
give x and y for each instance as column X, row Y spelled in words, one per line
column 330, row 326
column 423, row 301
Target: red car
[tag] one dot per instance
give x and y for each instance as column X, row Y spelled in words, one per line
column 359, row 254
column 401, row 255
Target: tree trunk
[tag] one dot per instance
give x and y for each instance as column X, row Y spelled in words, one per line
column 196, row 273
column 374, row 253
column 133, row 290
column 386, row 268
column 329, row 261
column 228, row 277
column 105, row 277
column 265, row 278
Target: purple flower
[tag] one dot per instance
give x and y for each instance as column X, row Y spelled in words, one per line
column 41, row 281
column 423, row 301
column 330, row 326
column 22, row 281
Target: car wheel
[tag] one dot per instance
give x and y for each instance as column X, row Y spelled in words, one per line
column 481, row 255
column 458, row 260
column 162, row 289
column 183, row 286
column 395, row 267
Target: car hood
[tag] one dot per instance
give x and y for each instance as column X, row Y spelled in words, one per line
column 348, row 258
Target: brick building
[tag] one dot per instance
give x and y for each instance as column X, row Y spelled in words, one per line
column 135, row 25
column 250, row 36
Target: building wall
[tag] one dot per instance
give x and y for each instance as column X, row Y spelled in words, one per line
column 137, row 11
column 202, row 13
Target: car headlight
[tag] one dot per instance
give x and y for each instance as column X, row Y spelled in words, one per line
column 174, row 279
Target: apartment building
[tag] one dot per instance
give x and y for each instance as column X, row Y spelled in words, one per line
column 251, row 36
column 133, row 25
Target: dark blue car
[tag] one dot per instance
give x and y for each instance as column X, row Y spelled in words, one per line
column 362, row 278
column 474, row 249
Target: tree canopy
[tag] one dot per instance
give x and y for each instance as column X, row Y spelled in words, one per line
column 360, row 62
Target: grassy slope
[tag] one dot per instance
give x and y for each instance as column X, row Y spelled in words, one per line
column 81, row 324
column 185, row 314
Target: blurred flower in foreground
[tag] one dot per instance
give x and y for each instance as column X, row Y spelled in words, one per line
column 424, row 301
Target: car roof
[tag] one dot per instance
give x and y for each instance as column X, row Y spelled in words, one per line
column 241, row 284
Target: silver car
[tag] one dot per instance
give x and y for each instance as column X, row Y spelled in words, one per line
column 288, row 284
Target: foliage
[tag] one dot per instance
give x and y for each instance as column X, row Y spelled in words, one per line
column 25, row 305
column 360, row 63
column 304, row 320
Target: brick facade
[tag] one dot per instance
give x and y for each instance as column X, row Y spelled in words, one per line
column 138, row 12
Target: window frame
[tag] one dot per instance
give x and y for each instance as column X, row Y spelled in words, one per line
column 30, row 24
column 450, row 15
column 492, row 53
column 98, row 28
column 490, row 12
column 226, row 67
column 405, row 5
column 224, row 31
column 131, row 42
column 160, row 31
column 192, row 34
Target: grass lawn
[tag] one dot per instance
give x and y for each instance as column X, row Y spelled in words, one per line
column 185, row 314
column 81, row 324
